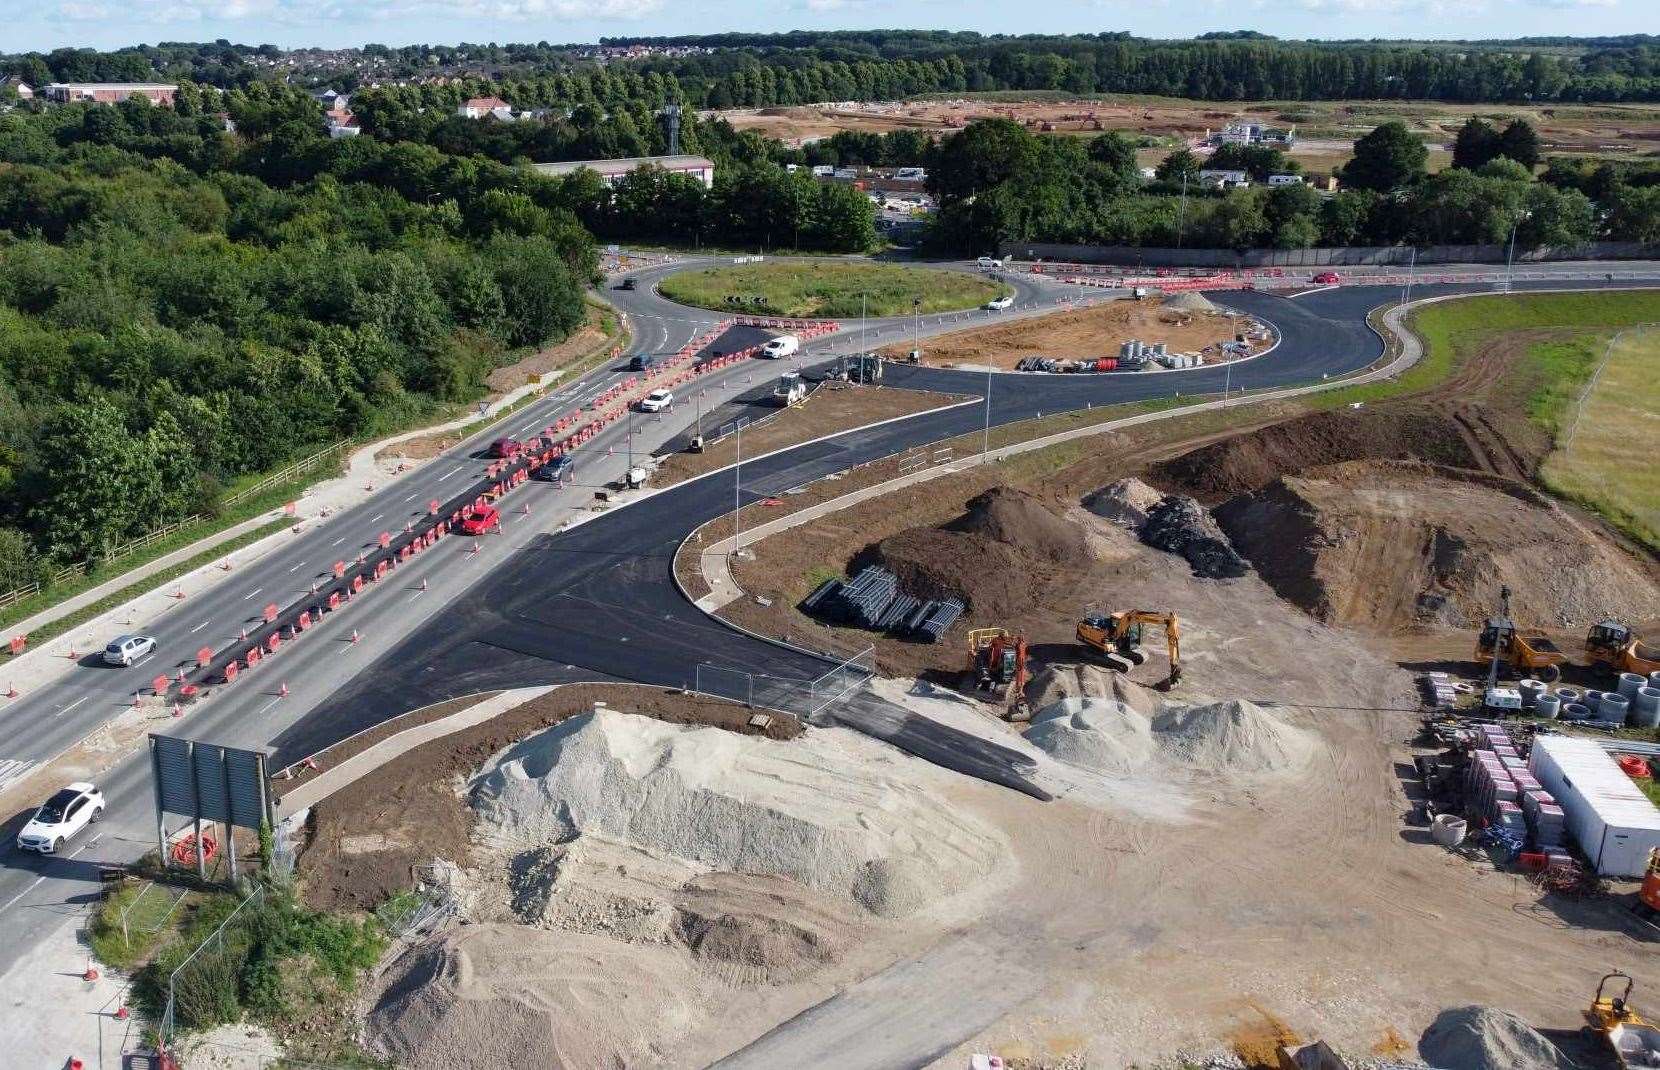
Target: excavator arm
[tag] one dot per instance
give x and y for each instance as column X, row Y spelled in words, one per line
column 1105, row 633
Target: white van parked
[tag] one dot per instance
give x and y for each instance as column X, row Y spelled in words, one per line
column 783, row 346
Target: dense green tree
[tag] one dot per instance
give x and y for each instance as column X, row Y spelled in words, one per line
column 1520, row 142
column 1476, row 143
column 1388, row 158
column 1178, row 165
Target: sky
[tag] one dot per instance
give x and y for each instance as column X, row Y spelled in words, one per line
column 47, row 24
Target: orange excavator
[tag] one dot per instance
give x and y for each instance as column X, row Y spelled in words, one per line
column 997, row 661
column 1117, row 638
column 1615, row 645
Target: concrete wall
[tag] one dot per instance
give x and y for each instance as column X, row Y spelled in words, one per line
column 1318, row 258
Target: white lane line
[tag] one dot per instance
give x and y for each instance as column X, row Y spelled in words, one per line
column 416, row 595
column 198, row 627
column 145, row 658
column 71, row 706
column 268, row 705
column 38, row 881
column 251, row 593
column 376, row 517
column 338, row 541
column 411, row 497
column 448, row 474
column 297, row 567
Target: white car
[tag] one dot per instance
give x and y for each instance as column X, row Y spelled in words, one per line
column 657, row 401
column 61, row 817
column 998, row 304
column 127, row 649
column 989, row 262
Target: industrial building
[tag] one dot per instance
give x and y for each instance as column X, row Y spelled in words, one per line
column 610, row 171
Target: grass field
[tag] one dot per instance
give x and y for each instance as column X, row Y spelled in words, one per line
column 1606, row 450
column 820, row 289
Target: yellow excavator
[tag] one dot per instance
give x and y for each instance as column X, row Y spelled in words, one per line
column 1634, row 1039
column 1615, row 645
column 1117, row 638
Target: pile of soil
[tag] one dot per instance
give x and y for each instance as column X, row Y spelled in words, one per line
column 1005, row 545
column 1485, row 1038
column 1250, row 461
column 1125, row 503
column 1385, row 544
column 1179, row 525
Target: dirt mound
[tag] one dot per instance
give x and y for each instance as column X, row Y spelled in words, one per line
column 1181, row 526
column 1386, row 544
column 1248, row 462
column 1097, row 734
column 1236, row 736
column 993, row 556
column 1054, row 682
column 507, row 995
column 1190, row 302
column 1125, row 503
column 1485, row 1038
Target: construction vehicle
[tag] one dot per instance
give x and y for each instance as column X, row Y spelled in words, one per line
column 864, row 368
column 1615, row 645
column 1501, row 643
column 791, row 388
column 997, row 662
column 1635, row 1040
column 1648, row 896
column 1117, row 638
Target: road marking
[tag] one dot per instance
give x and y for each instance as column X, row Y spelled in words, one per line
column 71, row 706
column 251, row 593
column 416, row 595
column 448, row 474
column 338, row 541
column 411, row 497
column 142, row 660
column 297, row 567
column 14, row 769
column 268, row 705
column 38, row 881
column 198, row 627
column 376, row 517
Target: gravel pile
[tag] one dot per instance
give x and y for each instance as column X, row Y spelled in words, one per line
column 1125, row 503
column 1098, row 734
column 820, row 811
column 1486, row 1038
column 1181, row 526
column 1236, row 735
column 1233, row 738
column 1191, row 302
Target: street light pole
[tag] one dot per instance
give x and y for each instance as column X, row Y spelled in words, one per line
column 985, row 434
column 916, row 325
column 1411, row 273
column 1510, row 257
column 863, row 346
column 737, row 501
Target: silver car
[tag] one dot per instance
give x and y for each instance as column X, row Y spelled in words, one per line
column 127, row 649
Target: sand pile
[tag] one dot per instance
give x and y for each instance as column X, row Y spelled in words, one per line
column 1234, row 738
column 1385, row 544
column 818, row 811
column 507, row 995
column 1125, row 503
column 1098, row 734
column 1484, row 1038
column 992, row 556
column 1190, row 302
column 1054, row 682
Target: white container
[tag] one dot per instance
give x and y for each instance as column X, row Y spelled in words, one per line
column 1448, row 830
column 1612, row 821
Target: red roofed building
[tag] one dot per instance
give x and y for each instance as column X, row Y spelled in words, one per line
column 109, row 92
column 479, row 107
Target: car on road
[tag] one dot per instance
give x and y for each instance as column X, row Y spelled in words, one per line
column 782, row 346
column 124, row 650
column 506, row 447
column 481, row 519
column 554, row 470
column 641, row 362
column 60, row 818
column 627, row 284
column 1328, row 278
column 998, row 304
column 989, row 262
column 657, row 401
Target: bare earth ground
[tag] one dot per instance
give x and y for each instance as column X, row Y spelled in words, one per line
column 831, row 408
column 1087, row 333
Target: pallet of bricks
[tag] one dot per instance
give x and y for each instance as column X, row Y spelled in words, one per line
column 1504, row 795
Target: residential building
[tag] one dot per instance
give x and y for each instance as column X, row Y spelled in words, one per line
column 1240, row 132
column 609, row 171
column 109, row 92
column 1285, row 180
column 24, row 90
column 342, row 124
column 1224, row 179
column 480, row 107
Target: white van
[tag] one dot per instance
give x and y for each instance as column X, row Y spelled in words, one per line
column 998, row 304
column 783, row 346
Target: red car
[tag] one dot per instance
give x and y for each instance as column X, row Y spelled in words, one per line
column 506, row 447
column 481, row 520
column 1328, row 278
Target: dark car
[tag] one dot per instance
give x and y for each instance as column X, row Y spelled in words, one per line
column 554, row 470
column 626, row 284
column 641, row 362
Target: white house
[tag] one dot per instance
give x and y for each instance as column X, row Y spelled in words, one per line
column 342, row 124
column 1224, row 179
column 479, row 107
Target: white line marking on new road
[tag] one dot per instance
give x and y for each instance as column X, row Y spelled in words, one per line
column 448, row 474
column 71, row 706
column 198, row 627
column 251, row 593
column 410, row 498
column 268, row 705
column 297, row 567
column 41, row 879
column 376, row 517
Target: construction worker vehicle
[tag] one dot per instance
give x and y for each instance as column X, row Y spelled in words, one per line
column 1648, row 895
column 997, row 663
column 1634, row 1040
column 791, row 388
column 1530, row 653
column 1615, row 645
column 1117, row 638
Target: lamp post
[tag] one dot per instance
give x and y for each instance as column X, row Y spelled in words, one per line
column 916, row 326
column 737, row 500
column 1181, row 210
column 985, row 434
column 1510, row 257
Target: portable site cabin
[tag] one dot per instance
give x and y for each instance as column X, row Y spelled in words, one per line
column 1613, row 822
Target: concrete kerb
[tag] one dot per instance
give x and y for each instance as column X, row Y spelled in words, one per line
column 715, row 557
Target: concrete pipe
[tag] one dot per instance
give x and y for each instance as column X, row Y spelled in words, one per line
column 1531, row 690
column 1614, row 708
column 1630, row 682
column 1647, row 712
column 1448, row 830
column 1549, row 707
column 1592, row 699
column 1654, row 679
column 1569, row 694
column 1575, row 711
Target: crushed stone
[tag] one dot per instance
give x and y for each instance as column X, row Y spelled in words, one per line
column 1180, row 525
column 1486, row 1038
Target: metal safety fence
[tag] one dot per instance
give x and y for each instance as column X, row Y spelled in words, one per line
column 798, row 695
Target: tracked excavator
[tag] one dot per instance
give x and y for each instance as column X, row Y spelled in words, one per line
column 1117, row 638
column 1615, row 645
column 997, row 661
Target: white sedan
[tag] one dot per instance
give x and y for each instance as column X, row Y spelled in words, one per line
column 657, row 401
column 126, row 649
column 61, row 817
column 998, row 304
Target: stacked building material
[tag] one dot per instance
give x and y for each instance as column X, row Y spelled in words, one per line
column 943, row 615
column 1492, row 787
column 872, row 599
column 862, row 599
column 1438, row 690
